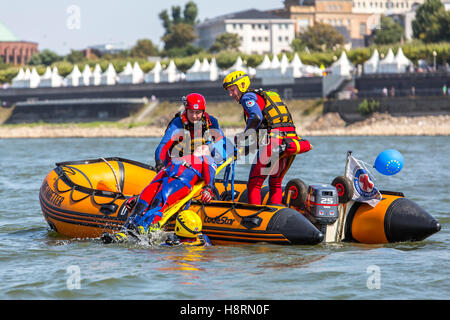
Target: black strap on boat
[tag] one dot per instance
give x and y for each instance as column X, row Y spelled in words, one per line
column 248, row 222
column 63, row 170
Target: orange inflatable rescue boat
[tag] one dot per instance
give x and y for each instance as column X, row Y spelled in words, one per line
column 83, row 199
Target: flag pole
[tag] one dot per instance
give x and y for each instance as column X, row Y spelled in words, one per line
column 349, row 153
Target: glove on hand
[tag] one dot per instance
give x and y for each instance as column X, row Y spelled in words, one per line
column 131, row 203
column 206, row 195
column 243, row 141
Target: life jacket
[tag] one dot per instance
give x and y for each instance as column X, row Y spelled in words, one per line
column 195, row 139
column 275, row 112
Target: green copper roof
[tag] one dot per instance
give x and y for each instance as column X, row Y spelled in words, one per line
column 6, row 34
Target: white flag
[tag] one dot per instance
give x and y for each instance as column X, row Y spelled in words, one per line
column 364, row 189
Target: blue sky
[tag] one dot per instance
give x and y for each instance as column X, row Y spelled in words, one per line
column 55, row 25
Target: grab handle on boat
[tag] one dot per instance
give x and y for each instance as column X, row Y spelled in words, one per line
column 108, row 208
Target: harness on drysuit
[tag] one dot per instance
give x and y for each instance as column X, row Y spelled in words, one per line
column 277, row 120
column 147, row 217
column 197, row 139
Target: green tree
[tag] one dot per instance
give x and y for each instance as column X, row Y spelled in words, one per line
column 226, row 42
column 431, row 22
column 321, row 37
column 179, row 29
column 190, row 13
column 75, row 56
column 390, row 31
column 143, row 49
column 297, row 45
column 45, row 57
column 443, row 18
column 167, row 23
column 180, row 36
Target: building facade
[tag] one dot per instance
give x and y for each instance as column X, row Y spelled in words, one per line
column 14, row 51
column 354, row 19
column 259, row 32
column 386, row 7
column 354, row 26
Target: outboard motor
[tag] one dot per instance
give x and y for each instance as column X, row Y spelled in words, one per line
column 322, row 204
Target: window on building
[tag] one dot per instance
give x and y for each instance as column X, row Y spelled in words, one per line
column 253, row 39
column 280, row 39
column 266, row 38
column 362, row 28
column 259, row 38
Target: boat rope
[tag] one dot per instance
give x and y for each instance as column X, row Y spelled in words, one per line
column 115, row 176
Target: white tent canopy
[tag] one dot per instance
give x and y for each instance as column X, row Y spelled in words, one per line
column 238, row 65
column 73, row 79
column 284, row 63
column 51, row 78
column 204, row 67
column 402, row 61
column 265, row 64
column 294, row 69
column 342, row 67
column 128, row 70
column 96, row 76
column 154, row 75
column 131, row 74
column 388, row 65
column 138, row 74
column 18, row 80
column 86, row 75
column 209, row 71
column 195, row 67
column 109, row 77
column 171, row 73
column 371, row 65
column 192, row 74
column 31, row 79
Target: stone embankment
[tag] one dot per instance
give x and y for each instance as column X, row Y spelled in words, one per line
column 329, row 124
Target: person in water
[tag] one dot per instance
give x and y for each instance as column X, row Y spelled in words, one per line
column 171, row 184
column 268, row 118
column 188, row 231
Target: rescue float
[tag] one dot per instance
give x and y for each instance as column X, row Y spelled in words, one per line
column 83, row 199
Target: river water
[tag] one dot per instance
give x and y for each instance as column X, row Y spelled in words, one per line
column 39, row 264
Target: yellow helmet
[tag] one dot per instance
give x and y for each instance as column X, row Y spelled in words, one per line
column 238, row 78
column 188, row 224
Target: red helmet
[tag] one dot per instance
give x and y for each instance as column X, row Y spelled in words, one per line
column 194, row 101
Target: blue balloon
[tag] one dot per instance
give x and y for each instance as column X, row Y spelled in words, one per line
column 389, row 162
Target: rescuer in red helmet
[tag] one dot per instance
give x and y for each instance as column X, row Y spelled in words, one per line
column 187, row 130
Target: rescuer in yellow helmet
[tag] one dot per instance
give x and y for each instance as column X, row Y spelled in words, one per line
column 188, row 231
column 265, row 110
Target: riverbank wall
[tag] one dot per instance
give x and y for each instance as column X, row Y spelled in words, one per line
column 350, row 110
